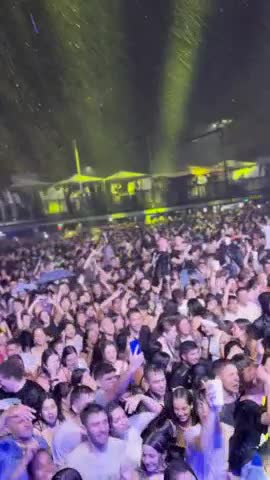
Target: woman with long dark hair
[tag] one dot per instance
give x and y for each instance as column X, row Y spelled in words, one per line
column 179, row 470
column 50, row 372
column 90, row 352
column 205, row 448
column 67, row 474
column 49, row 418
column 156, row 442
column 110, row 355
column 251, row 422
column 71, row 360
column 182, row 413
column 41, row 466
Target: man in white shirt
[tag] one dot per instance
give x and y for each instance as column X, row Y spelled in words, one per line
column 100, row 457
column 246, row 309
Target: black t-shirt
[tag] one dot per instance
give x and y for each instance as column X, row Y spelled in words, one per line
column 179, row 376
column 177, row 254
column 227, row 413
column 53, row 331
column 162, row 266
column 247, row 434
column 30, row 394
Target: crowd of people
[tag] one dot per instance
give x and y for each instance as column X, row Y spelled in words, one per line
column 147, row 358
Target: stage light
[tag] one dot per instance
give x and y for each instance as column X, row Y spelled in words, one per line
column 184, row 41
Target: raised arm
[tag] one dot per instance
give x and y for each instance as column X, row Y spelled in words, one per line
column 135, row 362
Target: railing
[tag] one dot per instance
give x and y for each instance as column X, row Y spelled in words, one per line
column 173, row 193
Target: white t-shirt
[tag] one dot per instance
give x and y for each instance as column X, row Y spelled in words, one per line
column 103, row 465
column 251, row 311
column 66, row 437
column 231, row 317
column 137, row 423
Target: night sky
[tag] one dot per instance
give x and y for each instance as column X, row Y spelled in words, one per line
column 132, row 81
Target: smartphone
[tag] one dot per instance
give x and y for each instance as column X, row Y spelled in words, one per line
column 216, row 392
column 135, row 346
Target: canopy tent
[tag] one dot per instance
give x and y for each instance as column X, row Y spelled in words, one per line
column 182, row 173
column 79, row 179
column 234, row 165
column 29, row 183
column 124, row 175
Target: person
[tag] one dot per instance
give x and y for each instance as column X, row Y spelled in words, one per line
column 67, row 474
column 179, row 470
column 247, row 309
column 157, row 384
column 104, row 453
column 251, row 422
column 16, row 448
column 109, row 386
column 262, row 324
column 214, row 340
column 109, row 352
column 182, row 413
column 69, row 434
column 14, row 384
column 50, row 372
column 168, row 334
column 184, row 328
column 205, row 451
column 136, row 330
column 155, row 447
column 40, row 343
column 239, row 331
column 227, row 372
column 90, row 352
column 81, row 376
column 72, row 338
column 41, row 467
column 232, row 349
column 13, row 347
column 71, row 360
column 130, row 428
column 49, row 418
column 190, row 355
column 161, row 261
